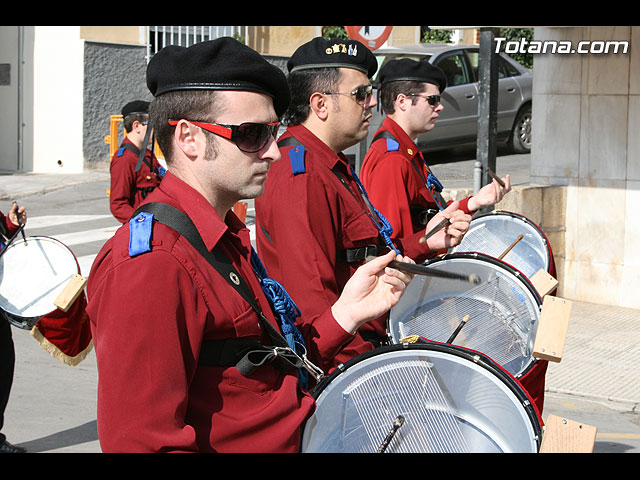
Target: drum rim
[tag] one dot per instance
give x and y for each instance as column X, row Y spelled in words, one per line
column 499, row 263
column 531, row 223
column 498, row 213
column 37, row 237
column 496, row 261
column 478, row 358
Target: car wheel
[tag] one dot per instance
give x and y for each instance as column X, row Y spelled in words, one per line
column 520, row 138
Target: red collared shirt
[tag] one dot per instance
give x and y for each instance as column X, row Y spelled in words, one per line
column 150, row 314
column 394, row 185
column 304, row 223
column 125, row 192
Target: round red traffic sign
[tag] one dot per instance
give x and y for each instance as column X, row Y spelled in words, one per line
column 372, row 37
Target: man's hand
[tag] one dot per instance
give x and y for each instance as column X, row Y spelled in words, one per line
column 451, row 235
column 17, row 216
column 372, row 291
column 490, row 194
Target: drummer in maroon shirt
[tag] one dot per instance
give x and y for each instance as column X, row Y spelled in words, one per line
column 314, row 224
column 167, row 325
column 132, row 178
column 394, row 172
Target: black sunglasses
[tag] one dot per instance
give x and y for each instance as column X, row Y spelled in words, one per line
column 249, row 137
column 360, row 94
column 432, row 99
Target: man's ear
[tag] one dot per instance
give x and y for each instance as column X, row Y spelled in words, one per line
column 319, row 106
column 185, row 138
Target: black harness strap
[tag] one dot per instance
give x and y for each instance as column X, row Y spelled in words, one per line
column 245, row 354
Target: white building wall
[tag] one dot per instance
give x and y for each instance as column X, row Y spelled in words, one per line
column 58, row 77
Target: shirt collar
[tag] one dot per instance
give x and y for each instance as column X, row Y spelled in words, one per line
column 407, row 146
column 310, row 140
column 205, row 218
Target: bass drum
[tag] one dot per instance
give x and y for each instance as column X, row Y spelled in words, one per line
column 493, row 233
column 498, row 317
column 422, row 398
column 33, row 272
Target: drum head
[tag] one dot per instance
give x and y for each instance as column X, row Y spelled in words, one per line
column 448, row 399
column 32, row 275
column 493, row 233
column 503, row 310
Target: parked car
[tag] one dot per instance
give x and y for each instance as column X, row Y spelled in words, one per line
column 458, row 122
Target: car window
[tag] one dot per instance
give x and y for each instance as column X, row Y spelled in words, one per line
column 505, row 69
column 455, row 68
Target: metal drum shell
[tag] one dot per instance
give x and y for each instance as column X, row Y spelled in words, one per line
column 31, row 278
column 424, row 291
column 498, row 230
column 495, row 412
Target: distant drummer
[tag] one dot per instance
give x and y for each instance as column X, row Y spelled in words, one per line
column 9, row 225
column 133, row 176
column 394, row 172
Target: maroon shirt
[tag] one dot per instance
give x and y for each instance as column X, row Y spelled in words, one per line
column 305, row 222
column 394, row 185
column 150, row 314
column 125, row 193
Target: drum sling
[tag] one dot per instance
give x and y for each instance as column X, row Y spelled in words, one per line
column 245, row 354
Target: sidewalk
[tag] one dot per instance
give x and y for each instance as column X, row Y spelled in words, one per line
column 600, row 360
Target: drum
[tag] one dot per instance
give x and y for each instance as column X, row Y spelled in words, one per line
column 493, row 233
column 498, row 317
column 33, row 272
column 421, row 398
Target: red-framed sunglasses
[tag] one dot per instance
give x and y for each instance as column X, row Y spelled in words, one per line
column 248, row 136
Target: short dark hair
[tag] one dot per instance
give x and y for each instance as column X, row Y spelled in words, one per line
column 303, row 84
column 127, row 121
column 195, row 105
column 390, row 91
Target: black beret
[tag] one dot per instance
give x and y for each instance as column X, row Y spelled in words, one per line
column 406, row 69
column 221, row 64
column 135, row 107
column 321, row 53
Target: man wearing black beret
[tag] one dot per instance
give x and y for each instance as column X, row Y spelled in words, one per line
column 394, row 172
column 192, row 353
column 133, row 175
column 315, row 224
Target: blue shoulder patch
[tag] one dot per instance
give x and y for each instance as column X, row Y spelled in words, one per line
column 162, row 171
column 121, row 151
column 392, row 145
column 140, row 230
column 296, row 157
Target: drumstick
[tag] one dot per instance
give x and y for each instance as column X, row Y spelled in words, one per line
column 510, row 247
column 495, row 177
column 397, row 423
column 455, row 333
column 19, row 223
column 434, row 230
column 433, row 272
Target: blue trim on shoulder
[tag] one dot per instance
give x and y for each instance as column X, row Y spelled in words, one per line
column 140, row 230
column 392, row 145
column 296, row 157
column 120, row 151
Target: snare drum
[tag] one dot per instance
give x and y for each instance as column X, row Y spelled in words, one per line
column 422, row 398
column 493, row 233
column 503, row 310
column 33, row 272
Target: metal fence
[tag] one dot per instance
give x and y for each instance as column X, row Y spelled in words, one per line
column 159, row 37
